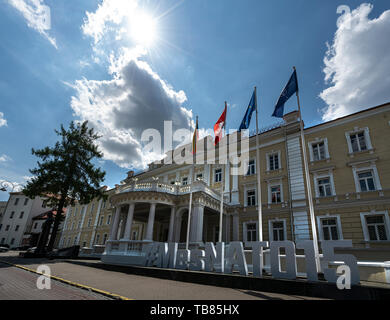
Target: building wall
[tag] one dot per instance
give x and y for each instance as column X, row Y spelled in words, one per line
column 32, row 208
column 346, row 205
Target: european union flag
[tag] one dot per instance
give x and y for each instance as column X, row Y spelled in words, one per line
column 288, row 91
column 248, row 114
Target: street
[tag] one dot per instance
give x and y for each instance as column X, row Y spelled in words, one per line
column 20, row 284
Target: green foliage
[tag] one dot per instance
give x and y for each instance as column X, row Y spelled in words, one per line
column 65, row 173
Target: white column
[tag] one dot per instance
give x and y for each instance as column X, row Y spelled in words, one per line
column 129, row 221
column 115, row 224
column 196, row 231
column 235, row 227
column 171, row 224
column 149, row 229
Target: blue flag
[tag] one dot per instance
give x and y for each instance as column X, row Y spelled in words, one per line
column 248, row 114
column 288, row 91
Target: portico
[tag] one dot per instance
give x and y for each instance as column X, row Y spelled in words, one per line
column 161, row 214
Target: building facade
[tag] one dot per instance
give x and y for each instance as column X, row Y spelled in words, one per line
column 17, row 218
column 349, row 166
column 87, row 225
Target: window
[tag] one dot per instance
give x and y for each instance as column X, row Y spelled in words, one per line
column 21, row 215
column 79, row 225
column 17, row 227
column 329, row 229
column 173, row 182
column 277, row 230
column 16, row 201
column 358, row 141
column 25, row 201
column 273, row 161
column 89, row 222
column 101, row 220
column 251, row 231
column 251, row 197
column 2, row 240
column 84, row 244
column 75, row 241
column 275, row 194
column 199, row 176
column 35, row 225
column 251, row 168
column 184, row 181
column 109, row 219
column 105, row 237
column 1, row 226
column 366, row 181
column 7, row 227
column 324, row 187
column 12, row 215
column 318, row 151
column 376, row 227
column 218, row 175
column 12, row 240
column 72, row 225
column 97, row 239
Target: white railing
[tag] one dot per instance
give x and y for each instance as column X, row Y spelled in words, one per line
column 197, row 186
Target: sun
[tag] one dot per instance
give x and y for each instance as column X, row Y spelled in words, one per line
column 143, row 29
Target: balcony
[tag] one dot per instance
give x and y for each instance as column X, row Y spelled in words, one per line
column 155, row 186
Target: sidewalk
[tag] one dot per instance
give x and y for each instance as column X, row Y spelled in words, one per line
column 141, row 287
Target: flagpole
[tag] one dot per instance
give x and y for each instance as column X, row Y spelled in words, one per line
column 308, row 186
column 222, row 183
column 259, row 202
column 192, row 182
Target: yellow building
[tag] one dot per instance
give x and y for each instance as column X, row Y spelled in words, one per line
column 349, row 165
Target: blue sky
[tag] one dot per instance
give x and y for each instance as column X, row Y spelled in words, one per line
column 205, row 52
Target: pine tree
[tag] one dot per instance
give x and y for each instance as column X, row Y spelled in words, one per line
column 66, row 173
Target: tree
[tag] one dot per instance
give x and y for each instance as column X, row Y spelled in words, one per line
column 66, row 173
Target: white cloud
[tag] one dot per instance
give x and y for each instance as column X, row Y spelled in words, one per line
column 3, row 122
column 109, row 15
column 37, row 15
column 4, row 158
column 357, row 63
column 120, row 109
column 135, row 97
column 11, row 186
